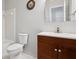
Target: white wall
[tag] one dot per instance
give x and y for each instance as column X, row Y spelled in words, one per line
column 72, row 9
column 28, row 21
column 3, row 5
column 3, row 19
column 3, row 26
column 32, row 22
column 66, row 27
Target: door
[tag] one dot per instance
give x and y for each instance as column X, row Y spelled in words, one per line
column 47, row 48
column 67, row 50
column 67, row 53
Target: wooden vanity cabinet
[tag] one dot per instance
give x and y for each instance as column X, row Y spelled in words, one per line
column 56, row 48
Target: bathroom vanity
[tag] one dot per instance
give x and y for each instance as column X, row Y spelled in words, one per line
column 56, row 45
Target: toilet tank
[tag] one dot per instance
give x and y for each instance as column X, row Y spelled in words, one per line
column 22, row 38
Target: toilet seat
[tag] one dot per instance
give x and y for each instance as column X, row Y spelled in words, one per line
column 14, row 46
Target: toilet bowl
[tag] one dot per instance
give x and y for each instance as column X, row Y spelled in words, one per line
column 16, row 49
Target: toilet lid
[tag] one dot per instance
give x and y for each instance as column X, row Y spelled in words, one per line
column 14, row 46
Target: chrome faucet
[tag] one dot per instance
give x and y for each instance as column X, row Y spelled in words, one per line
column 58, row 29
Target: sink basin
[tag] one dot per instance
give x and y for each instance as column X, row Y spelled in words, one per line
column 63, row 35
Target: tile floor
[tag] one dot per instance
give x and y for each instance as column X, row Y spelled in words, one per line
column 21, row 56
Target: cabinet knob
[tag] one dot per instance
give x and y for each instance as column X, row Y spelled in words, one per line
column 55, row 49
column 59, row 50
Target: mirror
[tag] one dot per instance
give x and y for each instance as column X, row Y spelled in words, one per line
column 59, row 10
column 57, row 14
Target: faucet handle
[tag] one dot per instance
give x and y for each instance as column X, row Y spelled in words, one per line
column 58, row 29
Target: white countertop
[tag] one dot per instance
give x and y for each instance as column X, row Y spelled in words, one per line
column 62, row 35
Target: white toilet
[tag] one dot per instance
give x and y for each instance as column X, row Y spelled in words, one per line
column 17, row 48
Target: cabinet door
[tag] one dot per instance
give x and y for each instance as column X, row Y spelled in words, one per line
column 67, row 50
column 46, row 50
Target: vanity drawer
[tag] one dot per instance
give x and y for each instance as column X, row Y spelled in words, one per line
column 47, row 40
column 58, row 41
